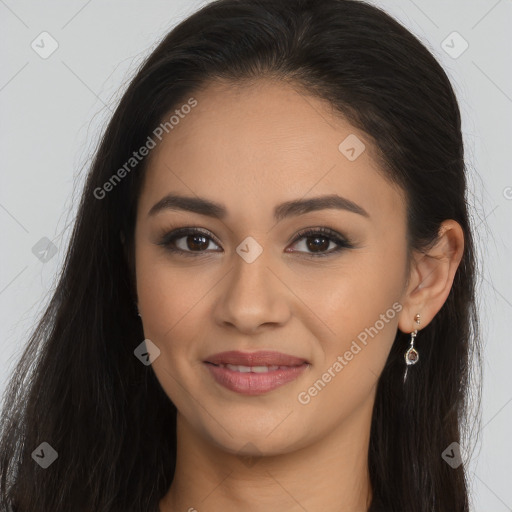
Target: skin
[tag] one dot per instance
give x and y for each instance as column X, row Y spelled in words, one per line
column 252, row 147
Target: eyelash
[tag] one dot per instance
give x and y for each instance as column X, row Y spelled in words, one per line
column 343, row 242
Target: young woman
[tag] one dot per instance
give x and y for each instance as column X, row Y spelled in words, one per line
column 268, row 299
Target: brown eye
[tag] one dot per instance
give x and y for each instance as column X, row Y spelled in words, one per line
column 188, row 241
column 320, row 242
column 196, row 242
column 317, row 243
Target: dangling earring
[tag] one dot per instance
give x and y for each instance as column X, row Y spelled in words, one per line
column 137, row 308
column 412, row 356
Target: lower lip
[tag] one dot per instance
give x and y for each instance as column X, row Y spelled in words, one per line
column 254, row 383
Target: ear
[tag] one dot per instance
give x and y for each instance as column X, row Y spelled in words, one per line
column 431, row 277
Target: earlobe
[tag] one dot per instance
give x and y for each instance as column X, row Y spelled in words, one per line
column 432, row 274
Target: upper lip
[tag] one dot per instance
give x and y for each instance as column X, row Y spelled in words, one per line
column 261, row 358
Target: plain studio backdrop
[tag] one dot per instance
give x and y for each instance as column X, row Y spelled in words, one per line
column 57, row 95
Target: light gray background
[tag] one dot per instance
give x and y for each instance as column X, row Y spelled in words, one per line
column 53, row 111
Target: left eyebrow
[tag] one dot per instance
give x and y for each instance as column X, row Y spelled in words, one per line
column 210, row 208
column 302, row 206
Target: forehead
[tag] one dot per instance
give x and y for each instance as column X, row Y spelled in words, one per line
column 263, row 143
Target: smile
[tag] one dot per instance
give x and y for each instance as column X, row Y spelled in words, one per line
column 254, row 380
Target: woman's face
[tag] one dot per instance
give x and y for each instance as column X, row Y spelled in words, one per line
column 250, row 282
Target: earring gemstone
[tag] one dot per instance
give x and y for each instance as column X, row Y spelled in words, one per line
column 411, row 356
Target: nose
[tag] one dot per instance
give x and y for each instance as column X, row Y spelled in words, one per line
column 252, row 297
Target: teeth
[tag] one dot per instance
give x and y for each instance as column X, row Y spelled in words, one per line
column 263, row 369
column 254, row 369
column 242, row 369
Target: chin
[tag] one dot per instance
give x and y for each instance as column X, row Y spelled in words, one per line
column 248, row 440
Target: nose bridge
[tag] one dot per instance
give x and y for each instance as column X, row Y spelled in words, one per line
column 250, row 276
column 251, row 295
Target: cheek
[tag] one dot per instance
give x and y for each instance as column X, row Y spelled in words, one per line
column 351, row 358
column 351, row 296
column 359, row 304
column 170, row 306
column 167, row 295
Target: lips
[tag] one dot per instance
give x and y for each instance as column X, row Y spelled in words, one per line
column 255, row 359
column 254, row 373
